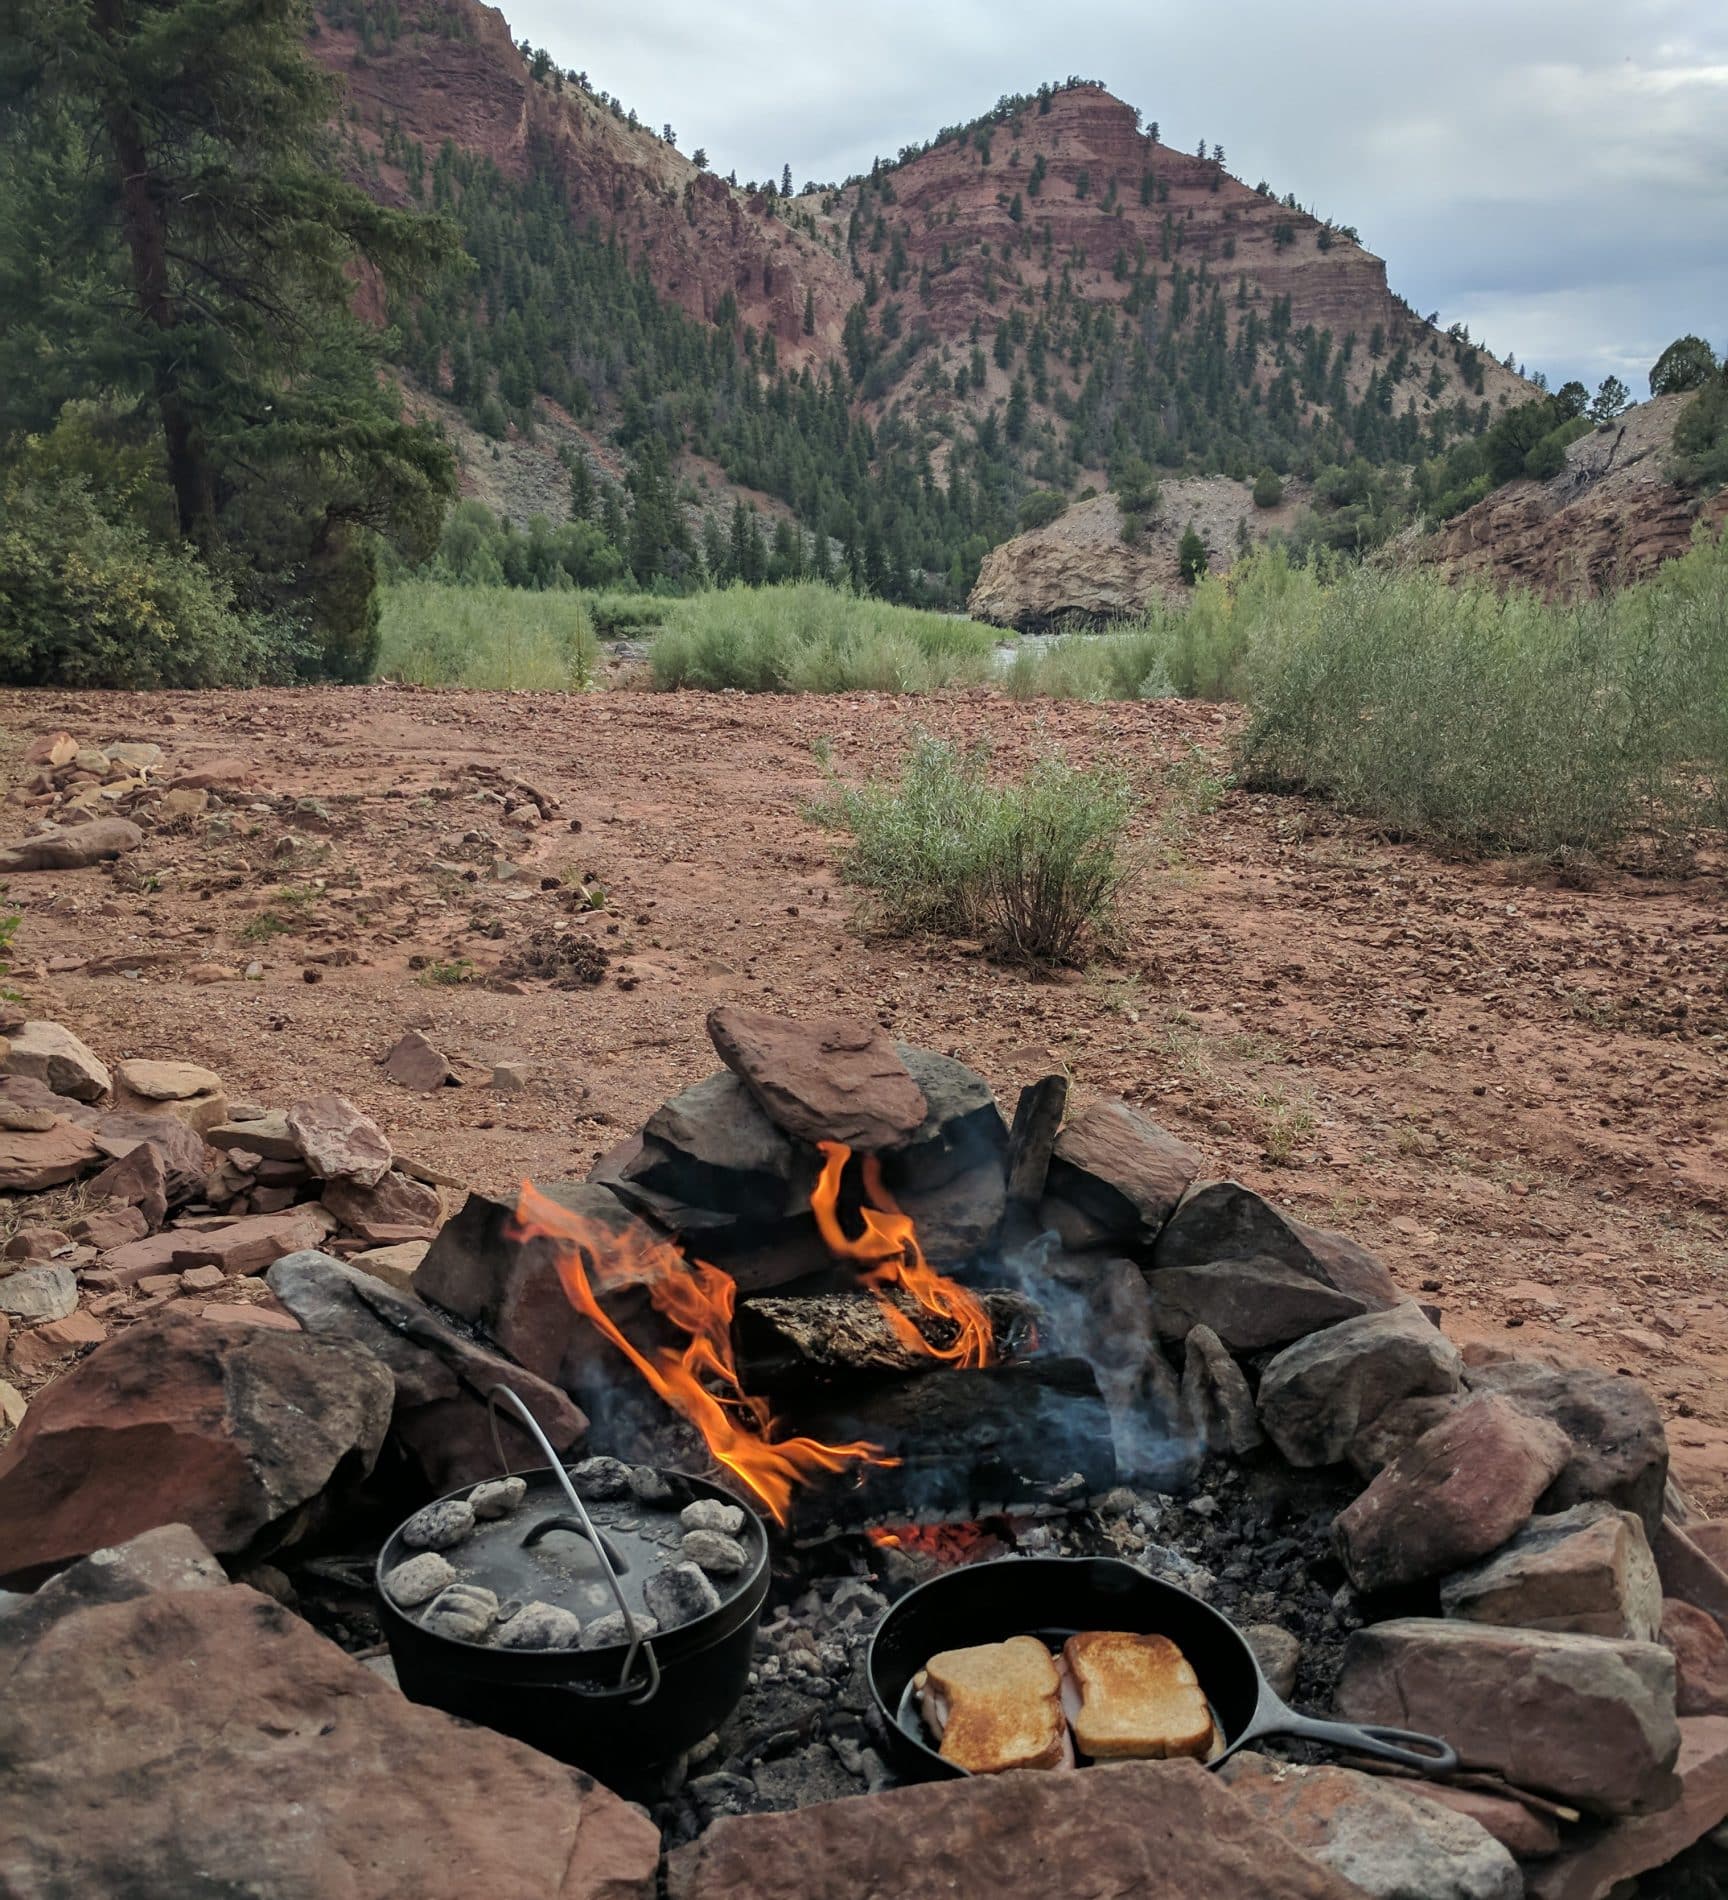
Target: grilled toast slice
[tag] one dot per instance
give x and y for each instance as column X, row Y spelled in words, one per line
column 995, row 1707
column 1133, row 1698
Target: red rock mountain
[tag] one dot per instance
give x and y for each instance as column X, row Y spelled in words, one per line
column 1061, row 188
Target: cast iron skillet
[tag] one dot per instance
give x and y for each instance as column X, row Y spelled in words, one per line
column 1055, row 1597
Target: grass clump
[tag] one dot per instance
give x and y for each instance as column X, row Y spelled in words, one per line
column 1034, row 868
column 807, row 638
column 489, row 639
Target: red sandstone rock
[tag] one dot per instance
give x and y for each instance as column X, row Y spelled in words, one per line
column 396, row 1209
column 1598, row 1864
column 166, row 1733
column 1700, row 1652
column 1588, row 1721
column 174, row 1421
column 1459, row 1492
column 826, row 1078
column 337, row 1142
column 413, row 1063
column 1150, row 1830
column 31, row 1160
column 1120, row 1172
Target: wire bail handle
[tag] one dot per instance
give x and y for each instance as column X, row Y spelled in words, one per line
column 638, row 1642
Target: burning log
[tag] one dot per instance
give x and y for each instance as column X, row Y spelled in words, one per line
column 964, row 1440
column 787, row 1342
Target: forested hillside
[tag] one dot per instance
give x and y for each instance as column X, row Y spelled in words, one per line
column 1033, row 303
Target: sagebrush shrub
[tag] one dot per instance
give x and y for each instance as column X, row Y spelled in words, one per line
column 1034, row 868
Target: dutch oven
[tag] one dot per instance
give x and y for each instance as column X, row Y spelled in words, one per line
column 611, row 1710
column 1054, row 1598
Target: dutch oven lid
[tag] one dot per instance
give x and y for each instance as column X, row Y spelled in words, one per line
column 540, row 1552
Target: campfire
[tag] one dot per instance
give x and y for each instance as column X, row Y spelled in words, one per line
column 926, row 1315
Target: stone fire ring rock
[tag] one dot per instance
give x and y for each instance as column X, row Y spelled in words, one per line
column 828, row 1078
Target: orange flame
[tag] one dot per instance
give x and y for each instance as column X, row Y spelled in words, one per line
column 698, row 1299
column 892, row 1259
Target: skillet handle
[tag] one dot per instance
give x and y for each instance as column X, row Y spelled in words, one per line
column 1405, row 1746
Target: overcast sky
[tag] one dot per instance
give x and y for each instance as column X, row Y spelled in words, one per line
column 1552, row 172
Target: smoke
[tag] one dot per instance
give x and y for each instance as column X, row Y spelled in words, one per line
column 1099, row 1309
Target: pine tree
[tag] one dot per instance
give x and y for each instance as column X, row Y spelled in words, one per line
column 201, row 242
column 581, row 487
column 810, row 311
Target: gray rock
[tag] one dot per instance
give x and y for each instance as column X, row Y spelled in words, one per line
column 1319, row 1393
column 1224, row 1221
column 441, row 1420
column 498, row 1497
column 1249, row 1304
column 714, row 1552
column 39, row 1293
column 709, row 1514
column 418, row 1580
column 608, row 1631
column 1588, row 1570
column 1217, row 1407
column 1279, row 1655
column 681, row 1594
column 540, row 1626
column 1386, row 1843
column 464, row 1611
column 439, row 1526
column 1581, row 1718
column 1619, row 1448
column 962, row 1128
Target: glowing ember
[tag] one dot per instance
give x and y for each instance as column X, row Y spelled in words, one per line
column 888, row 1251
column 943, row 1543
column 698, row 1299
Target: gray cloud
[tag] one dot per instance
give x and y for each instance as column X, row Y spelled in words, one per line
column 1552, row 172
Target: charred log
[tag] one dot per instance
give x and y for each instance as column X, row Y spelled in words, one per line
column 965, row 1442
column 787, row 1343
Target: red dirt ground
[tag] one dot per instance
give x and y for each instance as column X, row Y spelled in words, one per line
column 1512, row 1089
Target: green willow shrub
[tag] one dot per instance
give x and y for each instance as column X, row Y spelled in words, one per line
column 805, row 637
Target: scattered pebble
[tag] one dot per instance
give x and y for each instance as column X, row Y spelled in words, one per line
column 540, row 1626
column 439, row 1526
column 713, row 1551
column 418, row 1580
column 608, row 1632
column 464, row 1611
column 709, row 1514
column 497, row 1497
column 679, row 1595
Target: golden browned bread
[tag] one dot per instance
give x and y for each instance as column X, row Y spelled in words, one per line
column 996, row 1707
column 1133, row 1698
